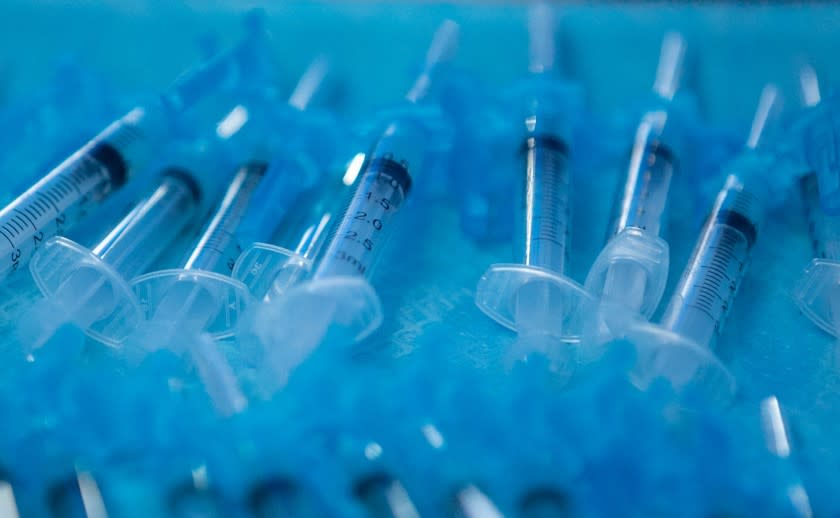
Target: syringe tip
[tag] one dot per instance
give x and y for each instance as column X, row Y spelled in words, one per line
column 310, row 82
column 671, row 64
column 769, row 107
column 809, row 85
column 541, row 29
column 444, row 44
column 442, row 49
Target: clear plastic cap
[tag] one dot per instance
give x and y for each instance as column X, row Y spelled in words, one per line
column 817, row 293
column 205, row 300
column 89, row 292
column 531, row 300
column 686, row 365
column 632, row 270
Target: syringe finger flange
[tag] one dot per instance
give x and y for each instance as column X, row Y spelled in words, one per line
column 632, row 254
column 215, row 299
column 63, row 269
column 817, row 293
column 344, row 308
column 265, row 268
column 531, row 299
column 687, row 366
column 350, row 302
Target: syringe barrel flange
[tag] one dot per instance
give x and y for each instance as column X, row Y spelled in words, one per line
column 817, row 293
column 306, row 313
column 65, row 270
column 527, row 299
column 268, row 270
column 686, row 365
column 631, row 270
column 193, row 295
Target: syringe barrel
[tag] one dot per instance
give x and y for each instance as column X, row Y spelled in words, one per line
column 642, row 196
column 358, row 239
column 218, row 247
column 543, row 220
column 307, row 227
column 360, row 236
column 152, row 225
column 823, row 228
column 59, row 200
column 707, row 288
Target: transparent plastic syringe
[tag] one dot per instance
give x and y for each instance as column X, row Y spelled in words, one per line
column 533, row 296
column 338, row 297
column 66, row 194
column 631, row 271
column 89, row 287
column 680, row 348
column 818, row 129
column 817, row 293
column 271, row 268
column 201, row 295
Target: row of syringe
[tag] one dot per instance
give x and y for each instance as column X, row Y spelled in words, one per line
column 234, row 272
column 106, row 289
column 103, row 288
column 571, row 323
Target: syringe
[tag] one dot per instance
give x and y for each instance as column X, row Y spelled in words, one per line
column 680, row 347
column 269, row 269
column 533, row 296
column 631, row 271
column 88, row 286
column 819, row 132
column 105, row 163
column 816, row 293
column 338, row 297
column 201, row 295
